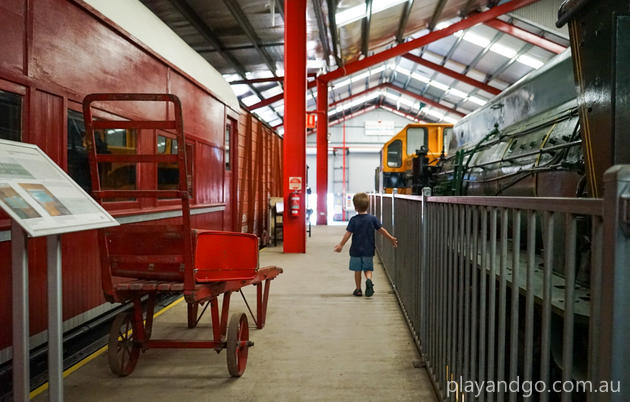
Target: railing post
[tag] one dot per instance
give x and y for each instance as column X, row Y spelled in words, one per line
column 394, row 267
column 614, row 347
column 426, row 192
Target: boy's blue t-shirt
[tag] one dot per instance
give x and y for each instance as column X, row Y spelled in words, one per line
column 362, row 227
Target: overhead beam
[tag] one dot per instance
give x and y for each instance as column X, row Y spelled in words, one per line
column 423, row 99
column 280, row 7
column 211, row 37
column 321, row 28
column 250, row 32
column 332, row 25
column 436, row 14
column 453, row 74
column 208, row 33
column 431, row 37
column 403, row 21
column 364, row 110
column 209, row 49
column 264, row 80
column 509, row 62
column 396, row 88
column 525, row 36
column 275, row 98
column 467, row 8
column 365, row 38
column 407, row 115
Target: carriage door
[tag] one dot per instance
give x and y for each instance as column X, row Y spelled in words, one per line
column 229, row 182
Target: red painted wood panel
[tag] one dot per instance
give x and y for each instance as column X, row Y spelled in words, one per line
column 47, row 125
column 12, row 26
column 76, row 51
column 209, row 173
column 204, row 117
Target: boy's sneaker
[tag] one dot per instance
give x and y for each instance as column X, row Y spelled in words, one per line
column 357, row 292
column 369, row 288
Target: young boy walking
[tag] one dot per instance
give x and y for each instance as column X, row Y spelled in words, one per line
column 362, row 227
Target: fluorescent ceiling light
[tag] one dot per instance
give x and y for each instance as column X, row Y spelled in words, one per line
column 377, row 69
column 438, row 85
column 473, row 38
column 442, row 25
column 498, row 48
column 240, row 90
column 358, row 77
column 530, row 61
column 341, row 83
column 420, row 78
column 476, row 100
column 435, row 113
column 449, row 119
column 350, row 15
column 271, row 92
column 357, row 12
column 457, row 92
column 231, row 77
column 250, row 100
column 402, row 70
column 407, row 102
column 503, row 50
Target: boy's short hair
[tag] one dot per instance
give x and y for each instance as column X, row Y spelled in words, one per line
column 361, row 202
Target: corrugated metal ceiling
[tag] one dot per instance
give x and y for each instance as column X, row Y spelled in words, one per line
column 243, row 39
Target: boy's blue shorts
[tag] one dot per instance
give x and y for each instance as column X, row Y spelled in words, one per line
column 361, row 264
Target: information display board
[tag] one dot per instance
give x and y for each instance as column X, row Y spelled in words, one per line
column 41, row 197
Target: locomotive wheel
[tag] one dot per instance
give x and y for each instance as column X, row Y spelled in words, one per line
column 123, row 351
column 237, row 344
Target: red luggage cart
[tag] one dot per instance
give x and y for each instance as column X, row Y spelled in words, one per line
column 140, row 261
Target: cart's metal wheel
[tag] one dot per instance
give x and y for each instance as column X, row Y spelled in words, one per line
column 123, row 350
column 193, row 309
column 237, row 344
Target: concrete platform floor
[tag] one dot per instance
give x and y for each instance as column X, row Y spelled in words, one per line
column 320, row 344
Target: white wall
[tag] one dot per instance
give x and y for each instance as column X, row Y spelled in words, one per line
column 364, row 154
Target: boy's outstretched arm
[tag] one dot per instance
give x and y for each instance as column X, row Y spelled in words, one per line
column 391, row 238
column 343, row 241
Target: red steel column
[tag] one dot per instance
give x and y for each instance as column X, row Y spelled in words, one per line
column 294, row 149
column 322, row 152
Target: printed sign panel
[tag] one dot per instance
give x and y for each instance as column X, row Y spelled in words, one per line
column 41, row 197
column 295, row 183
column 311, row 120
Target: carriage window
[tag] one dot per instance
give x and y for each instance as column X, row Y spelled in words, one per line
column 228, row 133
column 394, row 154
column 416, row 138
column 168, row 173
column 10, row 116
column 78, row 166
column 116, row 176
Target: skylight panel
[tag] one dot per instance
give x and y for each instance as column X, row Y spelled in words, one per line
column 530, row 61
column 477, row 100
column 250, row 100
column 357, row 12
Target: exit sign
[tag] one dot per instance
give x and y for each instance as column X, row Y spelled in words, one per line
column 311, row 120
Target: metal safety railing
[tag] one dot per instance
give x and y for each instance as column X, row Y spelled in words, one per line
column 513, row 298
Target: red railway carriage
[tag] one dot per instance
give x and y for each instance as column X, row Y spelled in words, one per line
column 54, row 52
